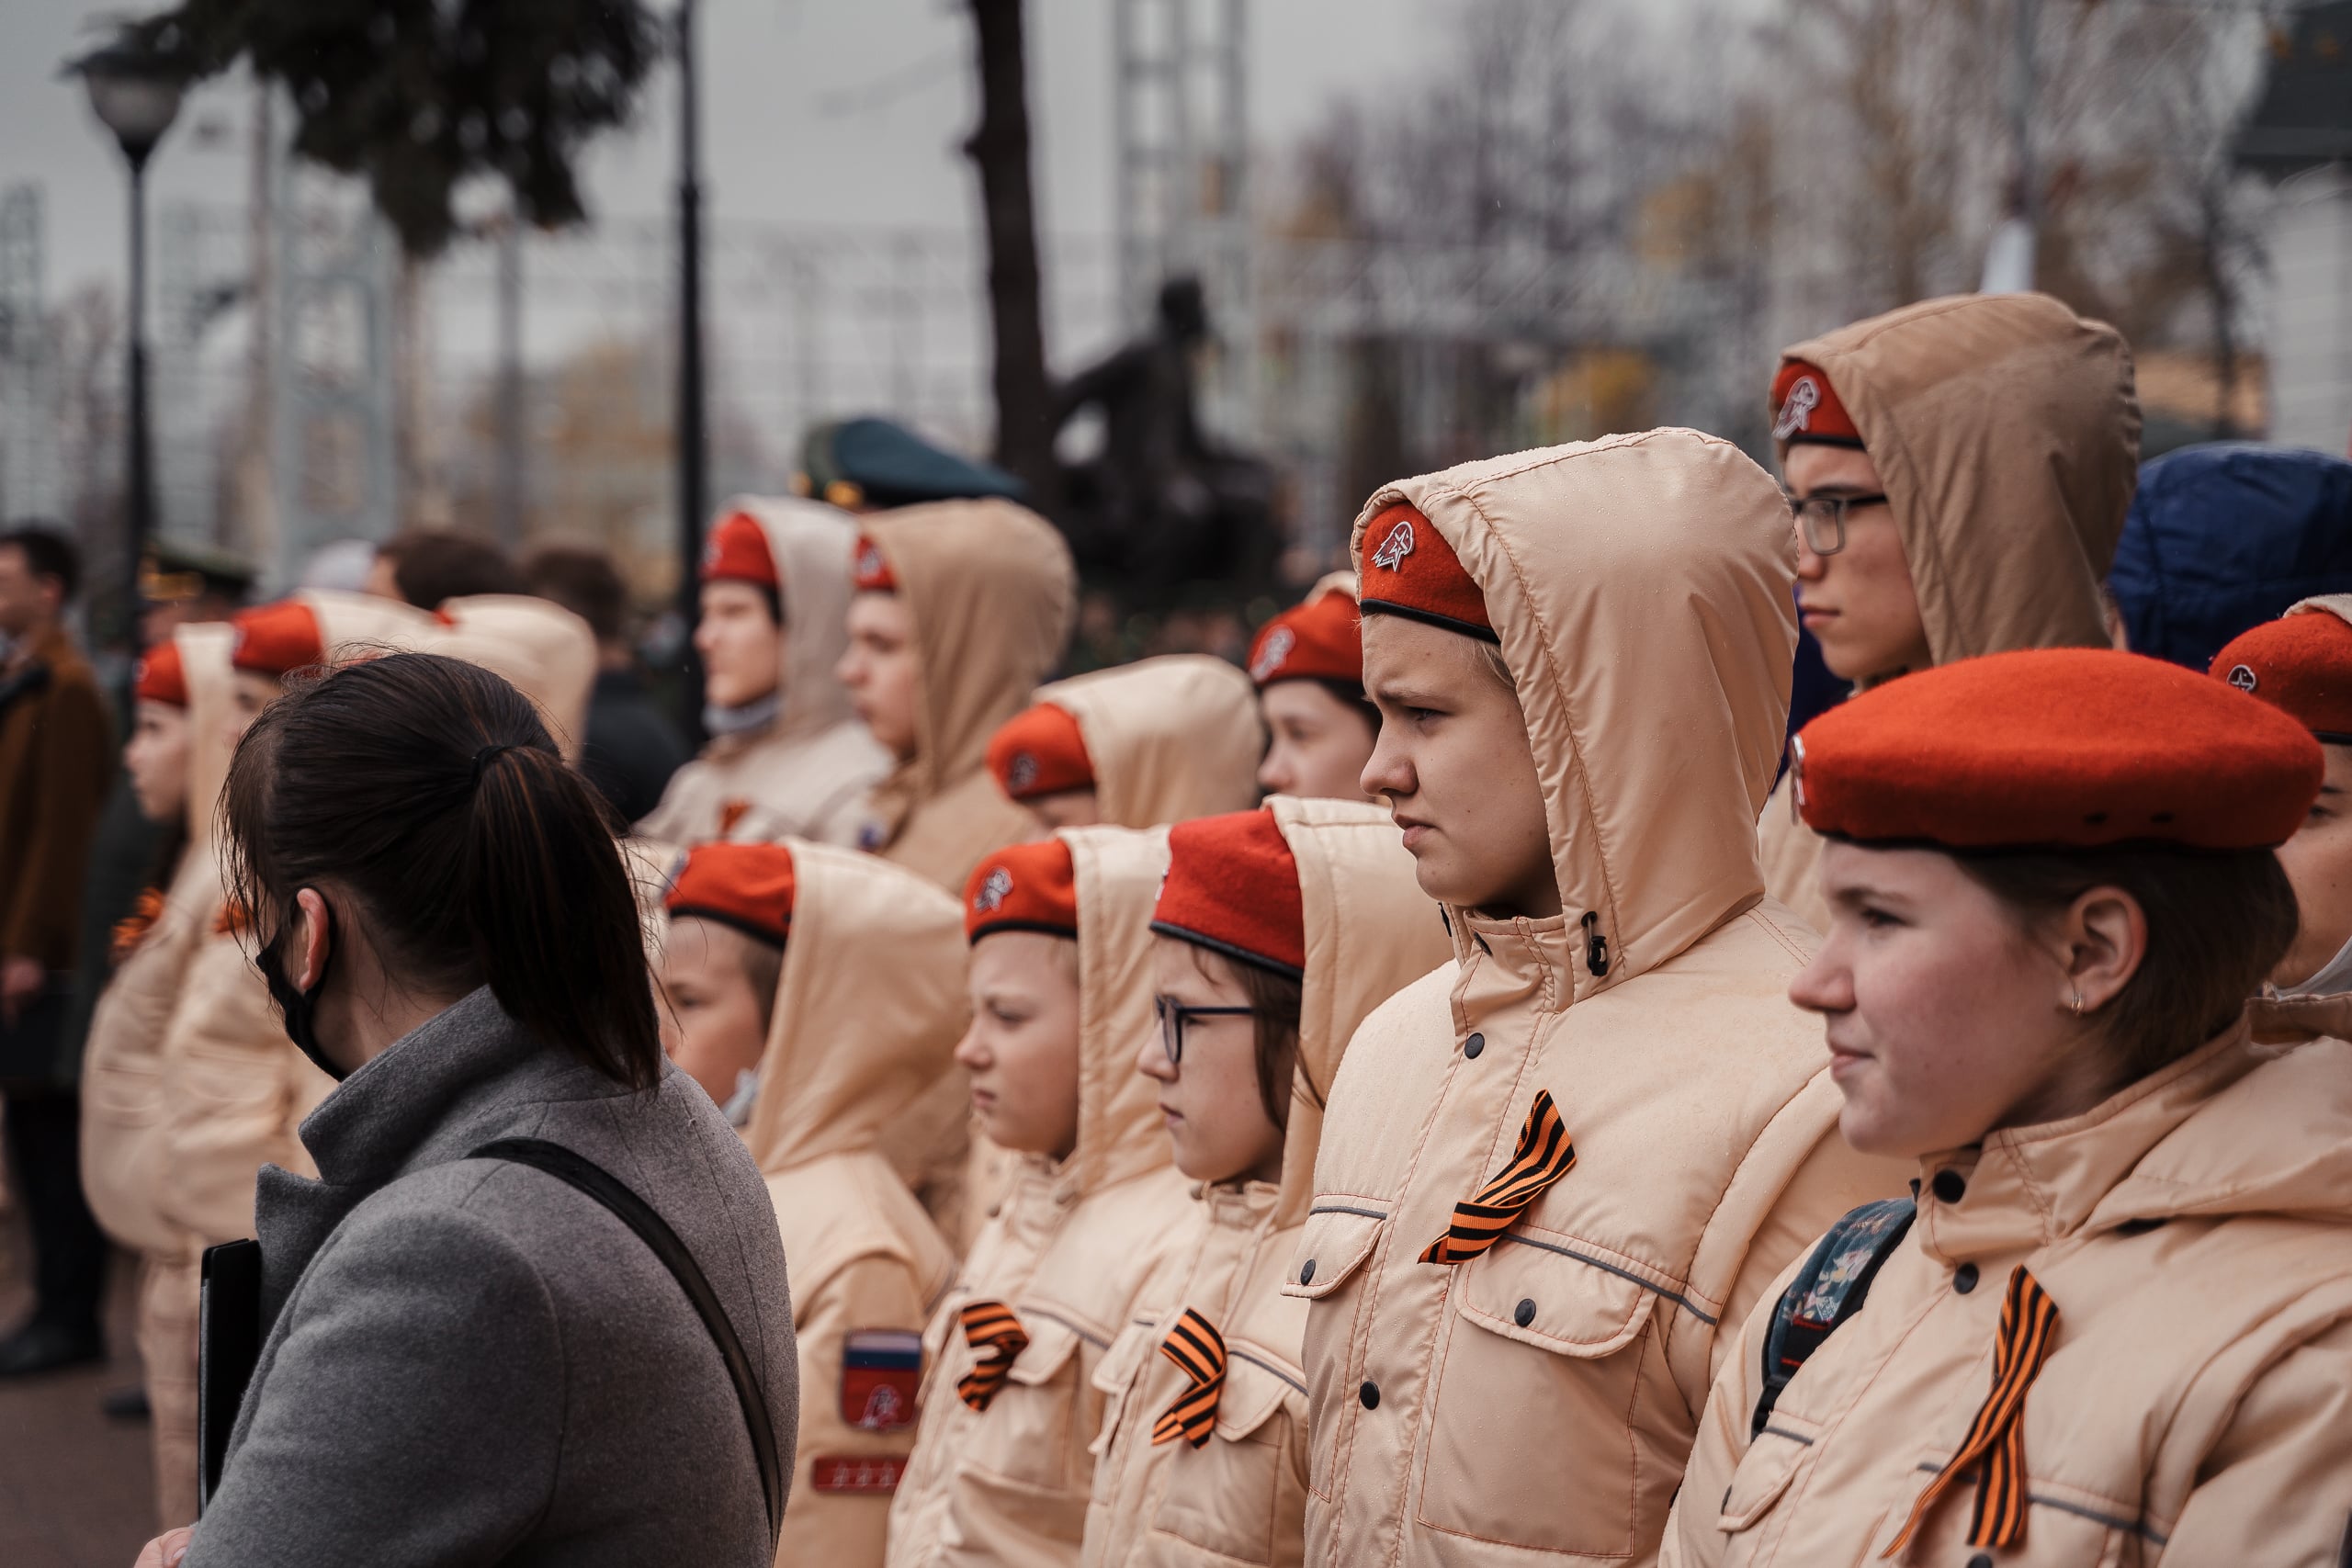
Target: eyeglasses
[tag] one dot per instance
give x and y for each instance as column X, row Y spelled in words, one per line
column 1821, row 519
column 1174, row 1015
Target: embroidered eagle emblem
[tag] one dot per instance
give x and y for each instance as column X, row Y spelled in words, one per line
column 994, row 891
column 1022, row 774
column 1396, row 547
column 2242, row 677
column 1269, row 658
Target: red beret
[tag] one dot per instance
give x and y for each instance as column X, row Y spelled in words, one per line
column 2300, row 663
column 1027, row 887
column 871, row 569
column 162, row 677
column 1320, row 640
column 737, row 551
column 1805, row 408
column 1232, row 886
column 2057, row 748
column 1408, row 569
column 277, row 640
column 1040, row 752
column 748, row 887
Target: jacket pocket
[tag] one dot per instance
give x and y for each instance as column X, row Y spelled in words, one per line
column 1027, row 1434
column 1764, row 1472
column 1241, row 1497
column 1539, row 1433
column 1339, row 1235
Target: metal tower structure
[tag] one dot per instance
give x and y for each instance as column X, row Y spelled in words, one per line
column 1181, row 131
column 333, row 465
column 28, row 445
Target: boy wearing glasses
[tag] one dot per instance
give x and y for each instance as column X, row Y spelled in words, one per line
column 1958, row 471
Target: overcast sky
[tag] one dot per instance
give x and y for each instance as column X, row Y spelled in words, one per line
column 815, row 110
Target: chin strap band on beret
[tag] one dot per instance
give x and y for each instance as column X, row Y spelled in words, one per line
column 1544, row 1154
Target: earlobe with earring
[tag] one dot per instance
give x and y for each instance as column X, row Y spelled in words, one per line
column 2077, row 1008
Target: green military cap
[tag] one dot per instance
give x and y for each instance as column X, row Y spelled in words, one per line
column 874, row 462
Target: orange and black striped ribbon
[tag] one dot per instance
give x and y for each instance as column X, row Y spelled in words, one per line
column 131, row 931
column 1198, row 1350
column 990, row 1329
column 1995, row 1441
column 1544, row 1155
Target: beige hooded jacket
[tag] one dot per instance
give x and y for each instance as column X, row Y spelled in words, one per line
column 867, row 1013
column 990, row 589
column 1069, row 1249
column 2007, row 430
column 1536, row 1404
column 1242, row 1498
column 808, row 774
column 1170, row 739
column 122, row 1107
column 2196, row 1405
column 542, row 649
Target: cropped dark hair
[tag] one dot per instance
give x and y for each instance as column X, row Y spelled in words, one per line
column 432, row 566
column 2218, row 923
column 583, row 581
column 1276, row 999
column 48, row 553
column 427, row 792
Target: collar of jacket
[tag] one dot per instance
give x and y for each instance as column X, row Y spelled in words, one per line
column 2027, row 1187
column 1517, row 963
column 1237, row 1205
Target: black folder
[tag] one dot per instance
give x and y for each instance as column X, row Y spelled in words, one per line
column 228, row 1348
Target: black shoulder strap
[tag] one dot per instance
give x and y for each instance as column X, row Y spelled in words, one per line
column 577, row 1171
column 1829, row 1289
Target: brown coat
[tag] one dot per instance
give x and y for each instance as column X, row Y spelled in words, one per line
column 56, row 757
column 2007, row 430
column 867, row 1012
column 1537, row 1403
column 1242, row 1498
column 2196, row 1405
column 808, row 774
column 1069, row 1249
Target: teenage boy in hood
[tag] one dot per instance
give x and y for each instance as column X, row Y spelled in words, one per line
column 1552, row 1167
column 1139, row 744
column 1960, row 470
column 786, row 754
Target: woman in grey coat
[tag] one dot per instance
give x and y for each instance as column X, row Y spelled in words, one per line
column 470, row 1359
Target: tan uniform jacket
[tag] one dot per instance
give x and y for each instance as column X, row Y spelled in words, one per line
column 1069, row 1249
column 2007, row 430
column 868, row 1008
column 1241, row 1497
column 808, row 774
column 991, row 589
column 1170, row 739
column 2196, row 1405
column 1536, row 1404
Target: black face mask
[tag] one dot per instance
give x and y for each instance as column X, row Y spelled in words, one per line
column 300, row 1009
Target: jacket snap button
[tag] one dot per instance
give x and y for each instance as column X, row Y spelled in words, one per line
column 1306, row 1272
column 1471, row 1046
column 1963, row 1278
column 1523, row 1314
column 1981, row 1560
column 1950, row 1187
column 1370, row 1395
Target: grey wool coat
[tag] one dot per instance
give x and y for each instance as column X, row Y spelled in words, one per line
column 468, row 1361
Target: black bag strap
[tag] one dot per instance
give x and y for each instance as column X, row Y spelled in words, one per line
column 586, row 1175
column 1829, row 1289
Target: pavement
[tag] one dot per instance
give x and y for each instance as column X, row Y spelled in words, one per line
column 76, row 1489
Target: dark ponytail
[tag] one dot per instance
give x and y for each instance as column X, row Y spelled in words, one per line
column 427, row 792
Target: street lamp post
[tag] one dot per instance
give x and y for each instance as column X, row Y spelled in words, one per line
column 135, row 92
column 693, row 478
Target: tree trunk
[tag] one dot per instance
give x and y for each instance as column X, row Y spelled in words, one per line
column 1000, row 148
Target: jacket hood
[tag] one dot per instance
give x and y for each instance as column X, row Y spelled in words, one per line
column 2007, row 430
column 811, row 543
column 2224, row 537
column 991, row 591
column 539, row 647
column 1370, row 932
column 1170, row 739
column 205, row 648
column 1642, row 586
column 1118, row 875
column 868, row 1007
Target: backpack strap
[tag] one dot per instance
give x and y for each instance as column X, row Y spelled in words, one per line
column 585, row 1175
column 1828, row 1290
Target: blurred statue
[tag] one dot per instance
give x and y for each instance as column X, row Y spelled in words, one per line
column 1161, row 506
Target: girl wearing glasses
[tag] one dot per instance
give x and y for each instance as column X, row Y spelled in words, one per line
column 1276, row 931
column 1959, row 472
column 1061, row 989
